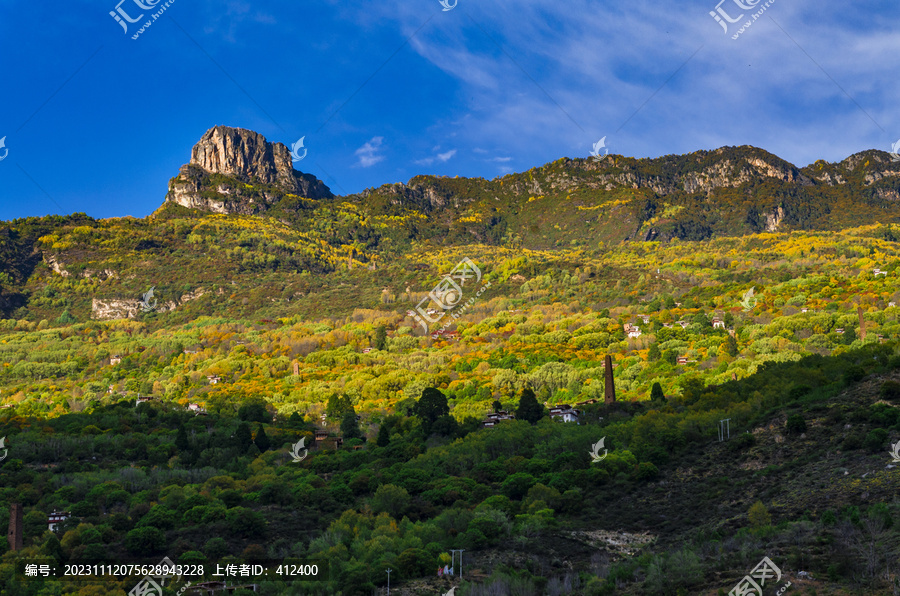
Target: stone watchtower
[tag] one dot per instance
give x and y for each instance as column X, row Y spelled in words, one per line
column 14, row 536
column 610, row 388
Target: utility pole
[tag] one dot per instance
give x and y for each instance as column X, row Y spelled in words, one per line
column 389, row 581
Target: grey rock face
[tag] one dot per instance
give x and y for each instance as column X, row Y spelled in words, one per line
column 259, row 174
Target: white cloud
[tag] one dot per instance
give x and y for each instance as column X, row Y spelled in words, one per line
column 368, row 153
column 440, row 157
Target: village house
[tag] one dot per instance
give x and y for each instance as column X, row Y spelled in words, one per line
column 878, row 272
column 839, row 331
column 682, row 360
column 196, row 409
column 56, row 518
column 645, row 319
column 115, row 360
column 683, row 324
column 494, row 418
column 143, row 399
column 632, row 331
column 213, row 379
column 565, row 412
column 366, row 350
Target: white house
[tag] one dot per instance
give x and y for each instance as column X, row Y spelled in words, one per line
column 565, row 412
column 213, row 379
column 56, row 518
column 718, row 324
column 632, row 331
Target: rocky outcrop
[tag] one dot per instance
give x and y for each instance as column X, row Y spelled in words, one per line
column 117, row 308
column 245, row 155
column 234, row 170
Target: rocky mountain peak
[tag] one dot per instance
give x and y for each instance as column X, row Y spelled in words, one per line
column 244, row 154
column 235, row 170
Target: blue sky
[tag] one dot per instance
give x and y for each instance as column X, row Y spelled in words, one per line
column 98, row 122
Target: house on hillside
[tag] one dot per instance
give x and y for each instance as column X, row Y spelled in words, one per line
column 645, row 319
column 682, row 360
column 196, row 409
column 56, row 518
column 632, row 331
column 115, row 360
column 878, row 272
column 683, row 323
column 366, row 350
column 565, row 412
column 718, row 323
column 141, row 399
column 497, row 417
column 839, row 330
column 213, row 379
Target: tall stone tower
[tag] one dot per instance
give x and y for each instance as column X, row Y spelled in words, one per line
column 14, row 536
column 610, row 388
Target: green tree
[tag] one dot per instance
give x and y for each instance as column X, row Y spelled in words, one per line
column 497, row 406
column 181, row 439
column 529, row 409
column 254, row 411
column 653, row 353
column 243, row 438
column 65, row 318
column 759, row 515
column 262, row 440
column 796, row 424
column 431, row 406
column 350, row 426
column 380, row 337
column 730, row 346
column 145, row 541
column 391, row 499
column 338, row 405
column 384, row 436
column 656, row 393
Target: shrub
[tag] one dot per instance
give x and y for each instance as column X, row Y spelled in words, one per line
column 890, row 391
column 796, row 424
column 875, row 439
column 759, row 515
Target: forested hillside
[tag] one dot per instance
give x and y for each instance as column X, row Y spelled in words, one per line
column 165, row 425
